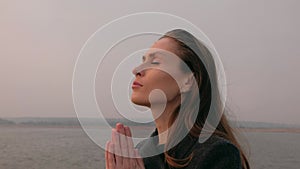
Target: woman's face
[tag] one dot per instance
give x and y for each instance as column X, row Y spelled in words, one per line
column 159, row 66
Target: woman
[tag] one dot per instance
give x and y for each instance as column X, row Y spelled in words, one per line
column 180, row 116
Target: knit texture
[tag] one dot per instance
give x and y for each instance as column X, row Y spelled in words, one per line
column 214, row 153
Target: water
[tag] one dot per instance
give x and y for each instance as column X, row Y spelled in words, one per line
column 274, row 150
column 48, row 148
column 62, row 148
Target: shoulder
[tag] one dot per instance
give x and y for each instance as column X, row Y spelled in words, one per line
column 216, row 153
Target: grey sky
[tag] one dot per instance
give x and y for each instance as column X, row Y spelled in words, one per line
column 258, row 42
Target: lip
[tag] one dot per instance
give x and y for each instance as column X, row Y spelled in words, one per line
column 136, row 84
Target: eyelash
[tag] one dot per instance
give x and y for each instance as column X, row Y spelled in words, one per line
column 153, row 62
column 156, row 63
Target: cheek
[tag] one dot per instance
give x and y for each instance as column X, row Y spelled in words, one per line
column 168, row 85
column 155, row 80
column 172, row 90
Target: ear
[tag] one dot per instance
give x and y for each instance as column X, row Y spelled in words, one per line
column 187, row 83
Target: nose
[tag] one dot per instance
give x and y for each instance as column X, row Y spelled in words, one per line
column 138, row 71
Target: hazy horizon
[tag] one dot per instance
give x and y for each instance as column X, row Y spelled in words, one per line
column 83, row 122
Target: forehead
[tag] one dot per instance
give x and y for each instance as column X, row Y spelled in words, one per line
column 167, row 44
column 161, row 47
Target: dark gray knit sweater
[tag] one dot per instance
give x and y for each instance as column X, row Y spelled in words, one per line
column 214, row 153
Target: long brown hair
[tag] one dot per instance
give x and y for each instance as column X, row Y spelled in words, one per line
column 204, row 71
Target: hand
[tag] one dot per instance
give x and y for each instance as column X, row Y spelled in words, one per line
column 120, row 153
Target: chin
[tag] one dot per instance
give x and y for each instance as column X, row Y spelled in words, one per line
column 140, row 102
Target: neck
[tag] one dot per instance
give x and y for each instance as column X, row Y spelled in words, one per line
column 161, row 124
column 162, row 114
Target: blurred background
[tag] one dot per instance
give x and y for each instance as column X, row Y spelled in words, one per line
column 258, row 43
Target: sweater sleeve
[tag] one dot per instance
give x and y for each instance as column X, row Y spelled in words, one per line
column 220, row 155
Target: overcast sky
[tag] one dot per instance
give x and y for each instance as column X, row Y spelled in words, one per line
column 258, row 42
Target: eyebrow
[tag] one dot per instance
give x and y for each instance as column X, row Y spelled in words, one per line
column 151, row 55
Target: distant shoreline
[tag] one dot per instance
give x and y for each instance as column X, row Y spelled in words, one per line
column 273, row 130
column 278, row 130
column 74, row 123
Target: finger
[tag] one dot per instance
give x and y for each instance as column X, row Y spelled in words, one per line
column 129, row 136
column 131, row 160
column 113, row 136
column 109, row 156
column 123, row 140
column 139, row 159
column 129, row 141
column 106, row 155
column 117, row 148
column 119, row 127
column 112, row 156
column 131, row 153
column 124, row 145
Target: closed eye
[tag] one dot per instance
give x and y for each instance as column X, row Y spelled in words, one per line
column 156, row 63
